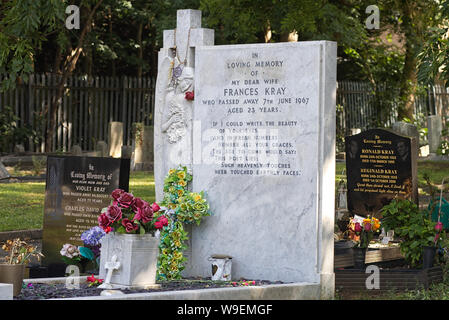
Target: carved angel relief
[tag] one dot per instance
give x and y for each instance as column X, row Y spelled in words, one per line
column 177, row 110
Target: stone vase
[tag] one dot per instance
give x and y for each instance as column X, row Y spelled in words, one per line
column 359, row 257
column 12, row 273
column 137, row 255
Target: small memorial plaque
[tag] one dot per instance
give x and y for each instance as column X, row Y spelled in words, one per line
column 77, row 188
column 380, row 166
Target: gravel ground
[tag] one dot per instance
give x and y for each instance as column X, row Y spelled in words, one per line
column 40, row 291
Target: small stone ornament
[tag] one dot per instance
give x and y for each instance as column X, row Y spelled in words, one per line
column 110, row 266
column 108, row 293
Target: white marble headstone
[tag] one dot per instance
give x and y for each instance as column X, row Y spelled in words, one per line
column 179, row 45
column 264, row 153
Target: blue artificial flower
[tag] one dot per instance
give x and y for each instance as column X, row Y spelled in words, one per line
column 92, row 236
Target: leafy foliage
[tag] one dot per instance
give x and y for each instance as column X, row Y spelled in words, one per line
column 433, row 60
column 414, row 227
column 24, row 26
column 10, row 133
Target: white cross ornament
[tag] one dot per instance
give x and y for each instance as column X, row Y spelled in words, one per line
column 110, row 266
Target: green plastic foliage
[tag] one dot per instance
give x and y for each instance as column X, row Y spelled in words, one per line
column 184, row 207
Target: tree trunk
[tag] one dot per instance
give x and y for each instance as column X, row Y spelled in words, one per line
column 57, row 61
column 408, row 87
column 409, row 80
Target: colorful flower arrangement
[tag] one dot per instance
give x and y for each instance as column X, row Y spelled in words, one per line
column 181, row 206
column 132, row 215
column 81, row 255
column 364, row 230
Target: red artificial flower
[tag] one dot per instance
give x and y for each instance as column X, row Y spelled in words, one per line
column 103, row 221
column 357, row 227
column 107, row 229
column 117, row 193
column 155, row 207
column 190, row 95
column 129, row 225
column 439, row 227
column 126, row 199
column 144, row 214
column 161, row 222
column 91, row 278
column 94, row 281
column 113, row 213
column 138, row 203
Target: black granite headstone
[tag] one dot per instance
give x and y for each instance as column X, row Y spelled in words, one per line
column 77, row 188
column 380, row 166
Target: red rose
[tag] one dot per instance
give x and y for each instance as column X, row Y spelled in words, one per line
column 190, row 95
column 116, row 193
column 113, row 213
column 129, row 225
column 103, row 221
column 125, row 199
column 138, row 203
column 357, row 227
column 155, row 207
column 107, row 229
column 161, row 222
column 144, row 214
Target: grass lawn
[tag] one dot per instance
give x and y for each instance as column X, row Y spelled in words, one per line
column 437, row 291
column 22, row 204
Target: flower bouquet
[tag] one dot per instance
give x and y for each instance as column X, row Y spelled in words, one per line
column 364, row 230
column 82, row 255
column 131, row 215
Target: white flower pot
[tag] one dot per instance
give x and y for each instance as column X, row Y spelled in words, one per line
column 137, row 256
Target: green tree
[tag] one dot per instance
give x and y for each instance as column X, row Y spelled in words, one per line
column 24, row 27
column 413, row 18
column 433, row 59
